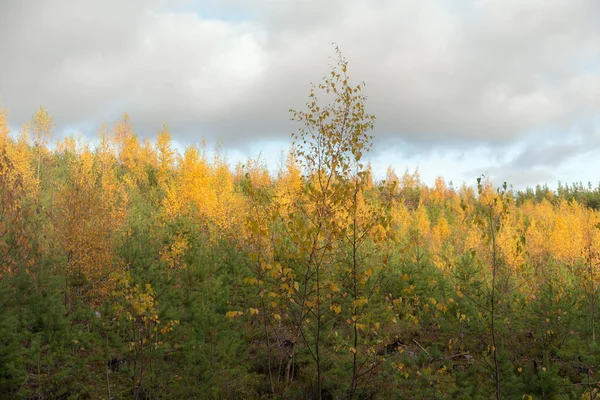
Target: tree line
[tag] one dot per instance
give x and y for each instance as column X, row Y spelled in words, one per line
column 131, row 270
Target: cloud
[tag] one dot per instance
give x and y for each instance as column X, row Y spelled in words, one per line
column 570, row 159
column 516, row 177
column 439, row 74
column 547, row 155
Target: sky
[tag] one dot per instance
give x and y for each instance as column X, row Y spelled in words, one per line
column 460, row 88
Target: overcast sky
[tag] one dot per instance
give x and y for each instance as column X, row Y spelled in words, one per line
column 510, row 88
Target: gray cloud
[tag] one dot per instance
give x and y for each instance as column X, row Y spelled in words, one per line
column 480, row 72
column 515, row 176
column 581, row 141
column 571, row 159
column 547, row 155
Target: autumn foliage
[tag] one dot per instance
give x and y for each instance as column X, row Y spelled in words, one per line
column 130, row 269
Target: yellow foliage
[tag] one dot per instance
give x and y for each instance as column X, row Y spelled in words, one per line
column 4, row 132
column 234, row 314
column 173, row 254
column 165, row 154
column 87, row 219
column 566, row 237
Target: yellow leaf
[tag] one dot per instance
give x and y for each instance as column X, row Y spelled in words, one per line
column 233, row 314
column 251, row 281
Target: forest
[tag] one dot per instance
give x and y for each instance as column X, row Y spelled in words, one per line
column 132, row 270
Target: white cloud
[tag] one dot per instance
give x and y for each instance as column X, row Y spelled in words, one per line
column 440, row 74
